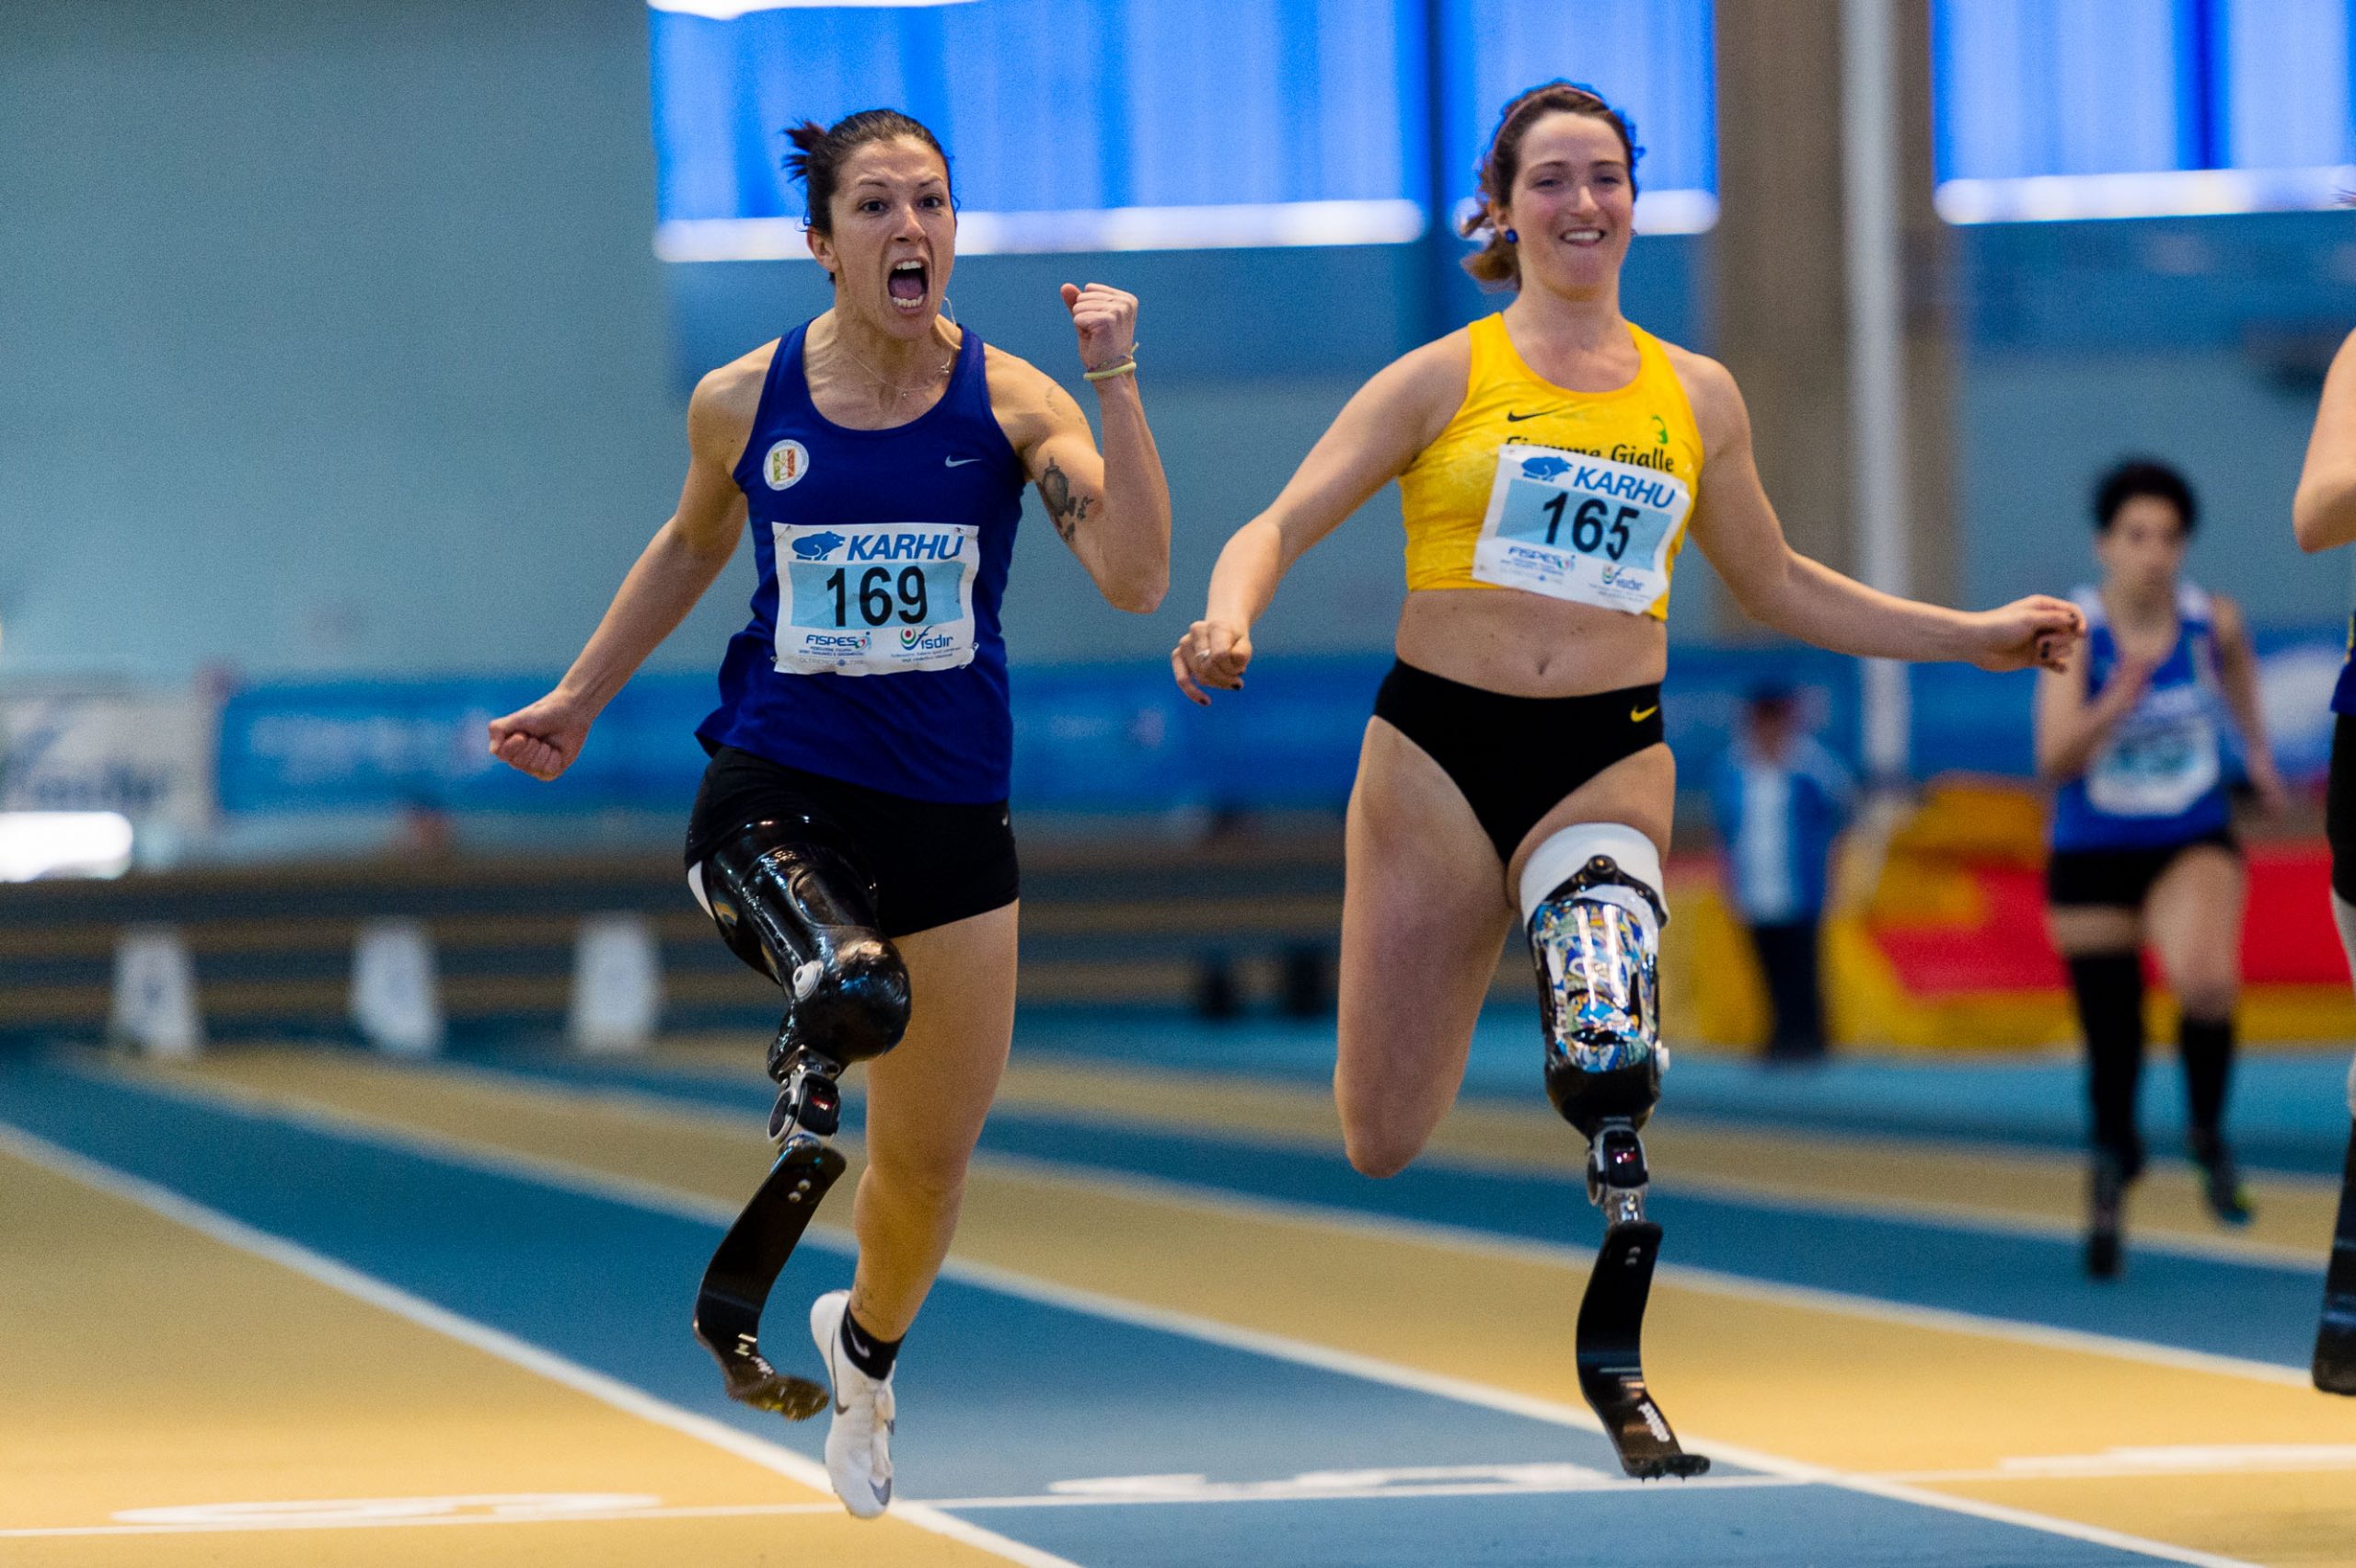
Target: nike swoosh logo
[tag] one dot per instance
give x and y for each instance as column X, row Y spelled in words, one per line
column 1638, row 715
column 958, row 462
column 883, row 1492
column 1512, row 417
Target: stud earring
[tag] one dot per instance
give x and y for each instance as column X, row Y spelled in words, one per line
column 1513, row 236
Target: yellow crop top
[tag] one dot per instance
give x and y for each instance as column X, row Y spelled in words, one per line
column 1577, row 495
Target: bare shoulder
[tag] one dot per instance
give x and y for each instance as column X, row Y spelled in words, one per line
column 726, row 401
column 1026, row 400
column 1417, row 394
column 1709, row 387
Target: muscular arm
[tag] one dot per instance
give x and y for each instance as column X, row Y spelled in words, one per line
column 2324, row 514
column 1370, row 442
column 677, row 565
column 1112, row 508
column 1779, row 588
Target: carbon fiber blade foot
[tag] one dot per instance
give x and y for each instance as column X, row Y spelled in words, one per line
column 737, row 1281
column 1611, row 1357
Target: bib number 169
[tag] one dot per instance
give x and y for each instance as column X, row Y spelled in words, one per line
column 1588, row 529
column 879, row 597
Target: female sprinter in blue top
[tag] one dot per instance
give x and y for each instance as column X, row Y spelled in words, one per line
column 2324, row 517
column 1550, row 460
column 2133, row 737
column 851, row 838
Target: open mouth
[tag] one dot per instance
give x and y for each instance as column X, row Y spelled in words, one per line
column 909, row 282
column 1583, row 236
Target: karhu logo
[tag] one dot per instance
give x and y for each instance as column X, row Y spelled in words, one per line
column 816, row 546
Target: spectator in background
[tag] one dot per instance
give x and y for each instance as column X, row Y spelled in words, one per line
column 1781, row 799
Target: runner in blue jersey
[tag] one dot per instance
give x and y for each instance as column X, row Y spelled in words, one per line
column 851, row 837
column 2324, row 517
column 2139, row 736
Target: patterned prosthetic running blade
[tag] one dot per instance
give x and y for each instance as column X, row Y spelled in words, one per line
column 736, row 1283
column 2335, row 1365
column 1611, row 1371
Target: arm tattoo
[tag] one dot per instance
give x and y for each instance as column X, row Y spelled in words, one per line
column 1066, row 509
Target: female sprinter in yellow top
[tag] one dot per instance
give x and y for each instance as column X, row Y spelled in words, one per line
column 1551, row 458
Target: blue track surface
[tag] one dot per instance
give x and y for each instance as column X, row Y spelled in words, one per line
column 2260, row 1311
column 1015, row 1395
column 2289, row 1109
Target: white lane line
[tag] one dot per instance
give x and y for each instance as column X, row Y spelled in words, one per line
column 338, row 1122
column 961, row 1505
column 565, row 1176
column 1758, row 1193
column 439, row 1521
column 360, row 1286
column 1715, row 1282
column 1976, row 1219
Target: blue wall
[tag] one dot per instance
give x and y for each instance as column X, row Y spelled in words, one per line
column 332, row 337
column 335, row 342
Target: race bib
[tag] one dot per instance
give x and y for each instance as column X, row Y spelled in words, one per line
column 1587, row 529
column 2157, row 767
column 874, row 598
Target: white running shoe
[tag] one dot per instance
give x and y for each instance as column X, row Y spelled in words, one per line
column 859, row 1442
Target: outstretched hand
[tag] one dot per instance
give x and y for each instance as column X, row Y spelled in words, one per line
column 542, row 739
column 2039, row 630
column 1212, row 653
column 1106, row 320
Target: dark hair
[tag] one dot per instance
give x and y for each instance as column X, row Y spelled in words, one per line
column 2136, row 476
column 819, row 163
column 1496, row 263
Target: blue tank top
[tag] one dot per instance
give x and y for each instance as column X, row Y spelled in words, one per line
column 874, row 655
column 2160, row 778
column 2343, row 691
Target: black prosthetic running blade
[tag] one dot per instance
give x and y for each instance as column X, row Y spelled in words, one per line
column 1611, row 1368
column 2334, row 1368
column 737, row 1283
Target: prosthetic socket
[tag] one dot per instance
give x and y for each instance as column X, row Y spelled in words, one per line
column 792, row 907
column 1596, row 942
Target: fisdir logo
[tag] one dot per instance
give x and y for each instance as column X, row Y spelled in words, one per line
column 816, row 546
column 924, row 640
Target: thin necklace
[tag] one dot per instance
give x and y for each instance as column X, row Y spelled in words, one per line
column 899, row 394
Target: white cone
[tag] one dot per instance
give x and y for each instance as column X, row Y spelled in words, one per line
column 154, row 993
column 616, row 985
column 396, row 994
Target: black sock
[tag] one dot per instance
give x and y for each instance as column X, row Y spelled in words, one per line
column 2109, row 991
column 869, row 1353
column 2207, row 1049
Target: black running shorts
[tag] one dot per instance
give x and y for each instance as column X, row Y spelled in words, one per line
column 933, row 862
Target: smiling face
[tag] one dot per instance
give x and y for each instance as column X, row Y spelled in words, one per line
column 1572, row 202
column 894, row 236
column 2142, row 549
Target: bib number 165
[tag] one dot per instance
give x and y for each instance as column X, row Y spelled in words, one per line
column 877, row 595
column 1588, row 529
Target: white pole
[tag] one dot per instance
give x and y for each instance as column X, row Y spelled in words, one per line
column 1876, row 348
